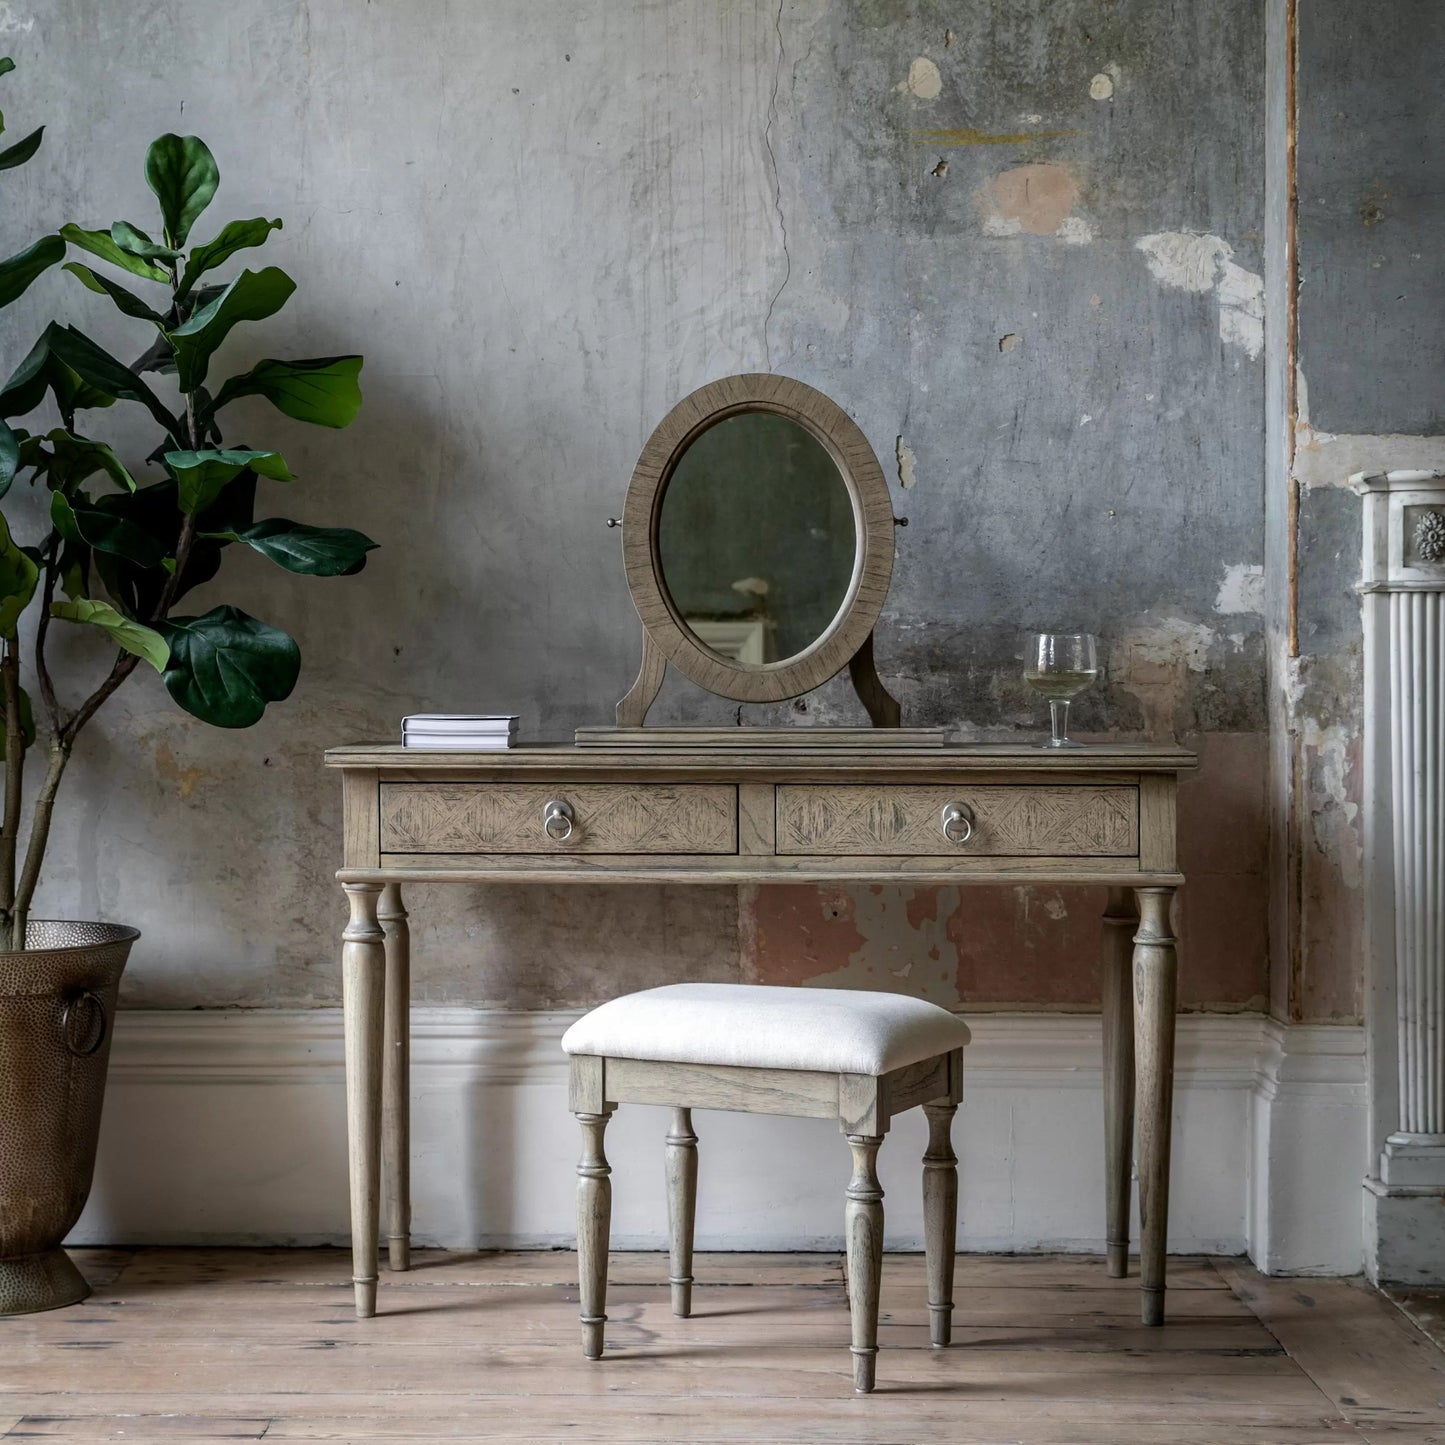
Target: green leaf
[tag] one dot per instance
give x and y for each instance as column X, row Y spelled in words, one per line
column 102, row 244
column 9, row 457
column 21, row 151
column 42, row 370
column 134, row 242
column 131, row 636
column 75, row 459
column 252, row 296
column 73, row 567
column 126, row 301
column 182, row 172
column 98, row 368
column 200, row 476
column 323, row 390
column 77, row 519
column 311, row 551
column 235, row 236
column 27, row 724
column 18, row 271
column 225, row 667
column 18, row 575
column 6, row 65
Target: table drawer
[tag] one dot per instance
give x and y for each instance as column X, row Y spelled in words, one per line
column 605, row 818
column 907, row 821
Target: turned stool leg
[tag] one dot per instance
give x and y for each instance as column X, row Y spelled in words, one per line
column 594, row 1226
column 681, row 1208
column 863, row 1226
column 940, row 1219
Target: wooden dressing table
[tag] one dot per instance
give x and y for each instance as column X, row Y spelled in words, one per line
column 708, row 815
column 758, row 511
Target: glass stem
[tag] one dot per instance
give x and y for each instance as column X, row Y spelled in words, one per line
column 1059, row 719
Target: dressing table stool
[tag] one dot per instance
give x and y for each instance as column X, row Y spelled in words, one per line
column 861, row 1058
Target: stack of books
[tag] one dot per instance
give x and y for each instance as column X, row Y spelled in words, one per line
column 459, row 731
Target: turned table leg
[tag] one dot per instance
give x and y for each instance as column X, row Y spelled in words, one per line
column 363, row 967
column 1156, row 968
column 396, row 1078
column 594, row 1228
column 863, row 1228
column 681, row 1208
column 940, row 1219
column 1121, row 922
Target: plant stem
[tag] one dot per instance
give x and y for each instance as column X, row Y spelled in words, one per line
column 14, row 783
column 42, row 630
column 39, row 836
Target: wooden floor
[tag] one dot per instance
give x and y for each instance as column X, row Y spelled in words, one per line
column 207, row 1345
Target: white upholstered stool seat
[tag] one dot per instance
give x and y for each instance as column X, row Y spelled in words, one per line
column 832, row 1030
column 858, row 1058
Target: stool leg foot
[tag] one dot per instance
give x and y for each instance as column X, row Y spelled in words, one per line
column 940, row 1219
column 863, row 1228
column 681, row 1208
column 594, row 1226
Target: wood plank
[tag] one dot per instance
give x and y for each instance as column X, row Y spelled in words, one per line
column 173, row 1429
column 1361, row 1351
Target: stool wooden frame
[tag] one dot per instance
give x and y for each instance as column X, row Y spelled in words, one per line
column 863, row 1104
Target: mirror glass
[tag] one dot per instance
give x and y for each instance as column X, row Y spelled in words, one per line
column 756, row 538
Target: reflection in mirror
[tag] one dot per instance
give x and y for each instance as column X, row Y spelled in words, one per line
column 756, row 538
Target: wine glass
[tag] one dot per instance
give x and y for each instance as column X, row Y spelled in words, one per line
column 1060, row 665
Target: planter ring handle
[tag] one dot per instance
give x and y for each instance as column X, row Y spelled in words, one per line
column 95, row 1032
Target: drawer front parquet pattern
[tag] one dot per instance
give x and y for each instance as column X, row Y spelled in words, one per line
column 607, row 818
column 906, row 821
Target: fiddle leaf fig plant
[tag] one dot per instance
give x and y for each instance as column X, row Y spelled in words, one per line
column 121, row 551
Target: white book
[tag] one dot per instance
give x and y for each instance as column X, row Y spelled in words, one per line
column 460, row 722
column 459, row 743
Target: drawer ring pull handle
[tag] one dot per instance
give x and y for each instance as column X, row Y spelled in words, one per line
column 958, row 822
column 557, row 819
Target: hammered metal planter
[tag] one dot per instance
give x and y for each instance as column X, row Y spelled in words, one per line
column 57, row 1003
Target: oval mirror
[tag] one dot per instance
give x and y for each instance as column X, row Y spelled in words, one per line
column 756, row 540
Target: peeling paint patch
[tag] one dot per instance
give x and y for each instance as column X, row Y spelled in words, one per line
column 1242, row 589
column 1075, row 231
column 1034, row 199
column 1008, row 343
column 940, row 170
column 1152, row 663
column 1101, row 87
column 907, row 463
column 924, row 79
column 1185, row 261
column 1241, row 309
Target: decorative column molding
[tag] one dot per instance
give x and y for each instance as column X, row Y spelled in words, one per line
column 1403, row 593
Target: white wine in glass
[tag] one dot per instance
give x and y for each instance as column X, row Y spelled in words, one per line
column 1060, row 665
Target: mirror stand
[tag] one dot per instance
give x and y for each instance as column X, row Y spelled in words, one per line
column 882, row 707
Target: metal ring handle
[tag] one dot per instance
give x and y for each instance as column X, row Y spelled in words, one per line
column 557, row 819
column 95, row 1033
column 958, row 822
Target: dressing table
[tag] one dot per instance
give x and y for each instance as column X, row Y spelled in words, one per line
column 805, row 502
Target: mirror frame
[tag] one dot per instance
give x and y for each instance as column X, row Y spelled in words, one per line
column 867, row 487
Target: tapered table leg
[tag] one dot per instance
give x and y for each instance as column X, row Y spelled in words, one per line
column 681, row 1208
column 594, row 1229
column 1121, row 922
column 396, row 1079
column 940, row 1219
column 1156, row 969
column 863, row 1229
column 363, row 970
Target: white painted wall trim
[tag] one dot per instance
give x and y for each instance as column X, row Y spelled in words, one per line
column 229, row 1127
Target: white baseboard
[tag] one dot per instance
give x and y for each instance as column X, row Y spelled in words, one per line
column 229, row 1127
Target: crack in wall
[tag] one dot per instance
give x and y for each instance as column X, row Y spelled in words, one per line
column 777, row 186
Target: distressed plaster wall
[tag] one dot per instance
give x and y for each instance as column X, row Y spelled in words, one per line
column 1370, row 125
column 1021, row 243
